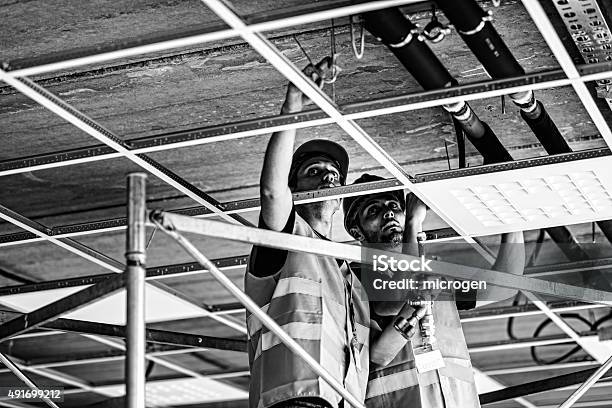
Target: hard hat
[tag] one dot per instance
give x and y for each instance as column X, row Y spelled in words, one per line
column 319, row 147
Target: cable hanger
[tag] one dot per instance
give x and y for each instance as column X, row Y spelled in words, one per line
column 358, row 54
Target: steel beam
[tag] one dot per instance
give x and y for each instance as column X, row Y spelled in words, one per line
column 534, row 387
column 588, row 383
column 40, row 316
column 152, row 335
column 232, row 207
column 66, row 243
column 100, row 259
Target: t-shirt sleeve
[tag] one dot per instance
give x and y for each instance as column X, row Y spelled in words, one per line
column 466, row 300
column 267, row 261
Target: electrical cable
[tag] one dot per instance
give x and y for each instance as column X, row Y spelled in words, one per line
column 568, row 354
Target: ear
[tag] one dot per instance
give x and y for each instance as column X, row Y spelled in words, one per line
column 357, row 234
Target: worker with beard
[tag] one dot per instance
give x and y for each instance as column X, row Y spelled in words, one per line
column 407, row 368
column 317, row 300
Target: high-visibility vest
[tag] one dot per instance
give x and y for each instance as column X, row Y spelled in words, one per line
column 399, row 383
column 322, row 306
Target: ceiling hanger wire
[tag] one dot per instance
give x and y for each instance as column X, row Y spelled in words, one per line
column 358, row 53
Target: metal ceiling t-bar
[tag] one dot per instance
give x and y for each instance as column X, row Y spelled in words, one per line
column 266, row 49
column 86, row 124
column 266, row 125
column 346, row 10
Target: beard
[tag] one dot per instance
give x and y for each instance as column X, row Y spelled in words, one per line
column 394, row 238
column 318, row 210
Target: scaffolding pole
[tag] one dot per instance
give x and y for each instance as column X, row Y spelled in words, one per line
column 256, row 236
column 135, row 364
column 587, row 384
column 13, row 367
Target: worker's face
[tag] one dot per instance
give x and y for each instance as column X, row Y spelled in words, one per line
column 317, row 173
column 381, row 220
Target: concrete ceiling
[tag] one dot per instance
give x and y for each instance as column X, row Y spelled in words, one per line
column 214, row 84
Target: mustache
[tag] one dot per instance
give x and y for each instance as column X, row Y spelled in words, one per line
column 325, row 185
column 391, row 224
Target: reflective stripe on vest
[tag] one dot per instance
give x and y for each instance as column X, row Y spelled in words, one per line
column 308, row 299
column 451, row 386
column 410, row 378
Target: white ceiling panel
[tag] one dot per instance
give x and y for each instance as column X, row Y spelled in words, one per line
column 525, row 199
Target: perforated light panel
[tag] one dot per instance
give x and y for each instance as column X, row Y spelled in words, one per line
column 524, row 199
column 181, row 392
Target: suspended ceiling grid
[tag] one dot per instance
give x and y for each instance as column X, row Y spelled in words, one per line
column 214, row 84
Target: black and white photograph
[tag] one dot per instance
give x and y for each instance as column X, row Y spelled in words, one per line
column 306, row 203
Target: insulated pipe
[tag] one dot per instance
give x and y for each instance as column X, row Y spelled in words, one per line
column 400, row 35
column 474, row 26
column 135, row 288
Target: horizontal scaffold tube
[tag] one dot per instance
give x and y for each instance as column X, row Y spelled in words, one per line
column 273, row 239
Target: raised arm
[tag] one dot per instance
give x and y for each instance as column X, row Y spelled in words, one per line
column 416, row 211
column 276, row 201
column 385, row 347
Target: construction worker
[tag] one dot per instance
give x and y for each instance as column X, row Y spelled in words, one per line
column 393, row 221
column 316, row 299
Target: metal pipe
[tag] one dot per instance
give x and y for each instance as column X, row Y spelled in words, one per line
column 400, row 35
column 11, row 366
column 135, row 366
column 474, row 26
column 587, row 384
column 266, row 320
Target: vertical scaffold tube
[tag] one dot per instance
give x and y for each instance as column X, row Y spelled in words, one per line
column 135, row 287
